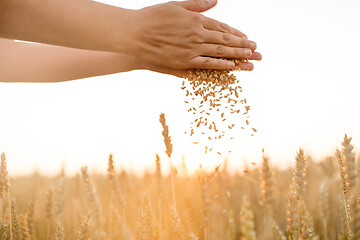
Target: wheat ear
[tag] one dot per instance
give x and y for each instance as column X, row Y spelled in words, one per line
column 169, row 148
column 247, row 225
column 146, row 230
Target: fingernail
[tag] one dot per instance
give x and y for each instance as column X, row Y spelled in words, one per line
column 231, row 64
column 210, row 1
column 253, row 45
column 247, row 52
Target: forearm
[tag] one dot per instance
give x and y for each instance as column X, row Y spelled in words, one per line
column 24, row 62
column 81, row 24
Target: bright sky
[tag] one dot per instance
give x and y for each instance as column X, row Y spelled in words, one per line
column 305, row 92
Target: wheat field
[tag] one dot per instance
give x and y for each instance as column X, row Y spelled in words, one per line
column 312, row 200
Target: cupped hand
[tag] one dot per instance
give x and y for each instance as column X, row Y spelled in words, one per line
column 175, row 35
column 248, row 66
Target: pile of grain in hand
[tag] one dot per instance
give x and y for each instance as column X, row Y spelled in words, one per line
column 214, row 96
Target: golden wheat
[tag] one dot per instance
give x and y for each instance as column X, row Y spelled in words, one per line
column 209, row 203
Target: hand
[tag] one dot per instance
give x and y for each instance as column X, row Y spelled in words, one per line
column 176, row 36
column 181, row 73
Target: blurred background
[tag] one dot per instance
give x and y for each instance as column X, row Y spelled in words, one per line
column 304, row 93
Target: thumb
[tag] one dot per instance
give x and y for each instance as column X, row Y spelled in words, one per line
column 197, row 5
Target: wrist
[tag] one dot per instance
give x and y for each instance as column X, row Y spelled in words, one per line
column 125, row 36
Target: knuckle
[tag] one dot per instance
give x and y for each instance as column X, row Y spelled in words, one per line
column 193, row 33
column 226, row 38
column 206, row 63
column 238, row 53
column 224, row 27
column 242, row 42
column 196, row 18
column 220, row 49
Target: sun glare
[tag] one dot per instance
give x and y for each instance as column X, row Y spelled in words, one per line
column 195, row 156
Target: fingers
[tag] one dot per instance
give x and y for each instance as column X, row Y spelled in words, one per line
column 213, row 50
column 197, row 5
column 210, row 63
column 228, row 39
column 213, row 25
column 256, row 56
column 246, row 66
column 213, row 63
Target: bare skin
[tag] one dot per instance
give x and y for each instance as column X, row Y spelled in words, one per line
column 187, row 39
column 25, row 62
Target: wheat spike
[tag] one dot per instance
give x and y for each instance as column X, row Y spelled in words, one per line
column 291, row 214
column 346, row 196
column 165, row 133
column 324, row 207
column 232, row 228
column 349, row 162
column 180, row 232
column 59, row 201
column 169, row 148
column 115, row 184
column 91, row 195
column 296, row 195
column 4, row 231
column 267, row 181
column 25, row 235
column 146, row 229
column 306, row 222
column 299, row 175
column 278, row 234
column 15, row 226
column 59, row 233
column 356, row 219
column 4, row 177
column 84, row 232
column 30, row 216
column 205, row 181
column 49, row 205
column 247, row 225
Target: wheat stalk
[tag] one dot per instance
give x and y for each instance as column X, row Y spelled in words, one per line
column 159, row 192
